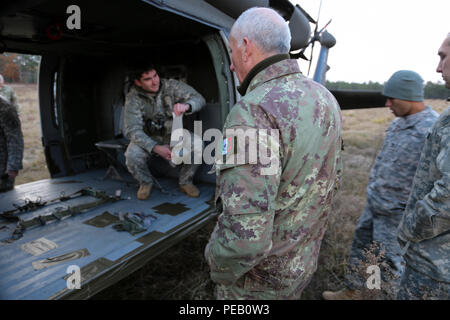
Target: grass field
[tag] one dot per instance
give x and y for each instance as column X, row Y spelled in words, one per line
column 181, row 272
column 34, row 167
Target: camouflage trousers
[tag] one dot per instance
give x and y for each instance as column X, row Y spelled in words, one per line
column 378, row 228
column 138, row 161
column 417, row 286
column 245, row 289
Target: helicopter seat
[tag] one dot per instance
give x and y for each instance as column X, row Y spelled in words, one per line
column 114, row 150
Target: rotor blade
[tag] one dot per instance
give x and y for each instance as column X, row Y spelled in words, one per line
column 300, row 55
column 325, row 26
column 310, row 19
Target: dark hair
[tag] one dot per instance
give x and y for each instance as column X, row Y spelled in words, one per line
column 137, row 71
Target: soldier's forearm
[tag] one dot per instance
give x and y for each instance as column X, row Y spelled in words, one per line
column 12, row 174
column 433, row 211
column 432, row 214
column 430, row 217
column 229, row 272
column 243, row 237
column 141, row 139
column 196, row 104
column 238, row 244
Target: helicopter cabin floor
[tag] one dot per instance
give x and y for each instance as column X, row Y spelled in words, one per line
column 39, row 264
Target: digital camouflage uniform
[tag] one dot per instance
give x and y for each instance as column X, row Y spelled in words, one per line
column 424, row 230
column 140, row 107
column 11, row 143
column 388, row 189
column 8, row 93
column 267, row 239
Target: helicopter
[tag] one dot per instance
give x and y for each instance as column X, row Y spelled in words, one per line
column 57, row 245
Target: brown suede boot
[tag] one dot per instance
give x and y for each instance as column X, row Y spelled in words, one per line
column 144, row 191
column 343, row 294
column 190, row 190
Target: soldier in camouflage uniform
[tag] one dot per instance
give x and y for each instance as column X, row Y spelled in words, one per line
column 267, row 239
column 389, row 184
column 424, row 230
column 11, row 145
column 148, row 124
column 8, row 93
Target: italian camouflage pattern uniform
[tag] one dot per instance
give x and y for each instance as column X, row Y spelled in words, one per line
column 390, row 183
column 266, row 242
column 424, row 230
column 140, row 107
column 8, row 93
column 11, row 143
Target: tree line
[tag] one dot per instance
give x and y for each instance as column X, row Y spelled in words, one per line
column 23, row 68
column 431, row 91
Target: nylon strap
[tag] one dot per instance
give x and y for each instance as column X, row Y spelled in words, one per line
column 61, row 213
column 33, row 205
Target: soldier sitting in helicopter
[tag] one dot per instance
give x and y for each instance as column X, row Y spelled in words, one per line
column 148, row 124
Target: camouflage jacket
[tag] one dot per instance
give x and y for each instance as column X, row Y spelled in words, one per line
column 11, row 138
column 392, row 174
column 269, row 232
column 8, row 93
column 426, row 220
column 141, row 107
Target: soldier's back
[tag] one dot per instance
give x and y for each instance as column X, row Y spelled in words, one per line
column 309, row 123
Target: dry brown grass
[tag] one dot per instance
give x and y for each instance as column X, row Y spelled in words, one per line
column 181, row 272
column 34, row 167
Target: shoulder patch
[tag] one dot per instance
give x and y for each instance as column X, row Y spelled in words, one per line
column 227, row 144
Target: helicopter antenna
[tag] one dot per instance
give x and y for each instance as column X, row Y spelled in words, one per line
column 318, row 14
column 315, row 36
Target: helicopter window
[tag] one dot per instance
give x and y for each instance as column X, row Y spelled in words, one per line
column 54, row 98
column 178, row 72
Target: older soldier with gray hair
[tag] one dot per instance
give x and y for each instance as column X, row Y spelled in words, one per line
column 11, row 145
column 424, row 231
column 267, row 239
column 390, row 183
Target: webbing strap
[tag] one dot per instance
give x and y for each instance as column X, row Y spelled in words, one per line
column 63, row 212
column 33, row 205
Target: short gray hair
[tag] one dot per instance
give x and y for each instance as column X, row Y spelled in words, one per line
column 265, row 27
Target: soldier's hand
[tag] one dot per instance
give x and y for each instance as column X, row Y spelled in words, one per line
column 163, row 151
column 180, row 108
column 12, row 174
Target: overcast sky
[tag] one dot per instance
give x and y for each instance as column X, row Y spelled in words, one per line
column 376, row 38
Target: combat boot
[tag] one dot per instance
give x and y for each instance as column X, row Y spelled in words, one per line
column 144, row 191
column 343, row 294
column 190, row 190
